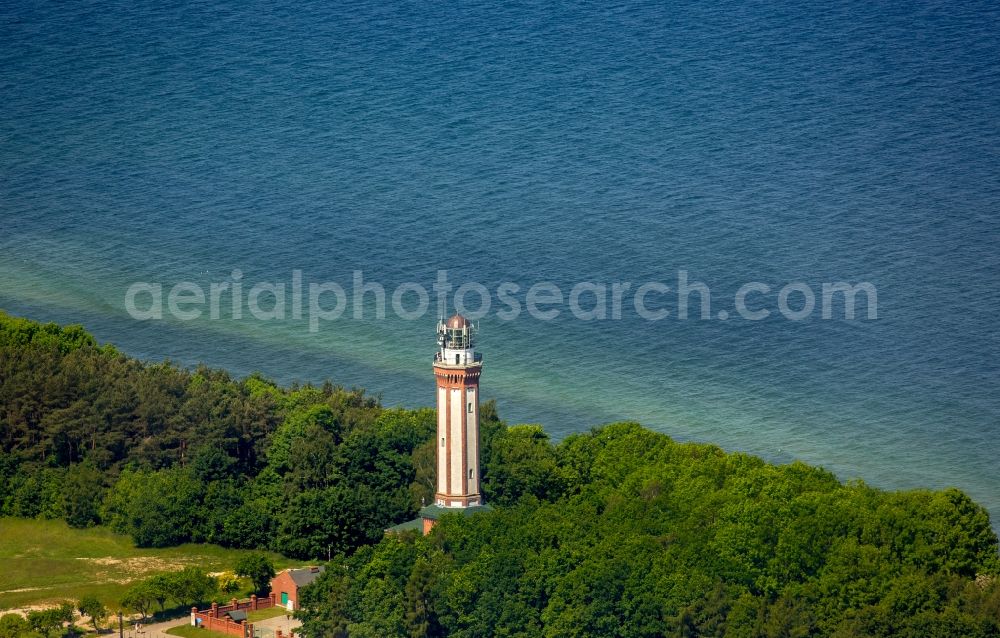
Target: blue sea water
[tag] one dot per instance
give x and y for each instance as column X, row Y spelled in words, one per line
column 528, row 142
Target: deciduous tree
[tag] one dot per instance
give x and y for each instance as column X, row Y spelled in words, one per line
column 259, row 569
column 91, row 606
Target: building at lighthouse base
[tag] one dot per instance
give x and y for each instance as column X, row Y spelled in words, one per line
column 428, row 516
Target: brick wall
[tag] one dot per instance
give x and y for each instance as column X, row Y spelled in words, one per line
column 213, row 617
column 207, row 620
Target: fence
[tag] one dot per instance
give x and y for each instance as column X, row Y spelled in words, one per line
column 215, row 618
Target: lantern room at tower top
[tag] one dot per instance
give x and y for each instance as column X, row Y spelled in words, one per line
column 456, row 343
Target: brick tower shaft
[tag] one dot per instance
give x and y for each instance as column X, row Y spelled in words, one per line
column 456, row 369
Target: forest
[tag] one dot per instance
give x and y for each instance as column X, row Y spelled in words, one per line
column 169, row 455
column 616, row 531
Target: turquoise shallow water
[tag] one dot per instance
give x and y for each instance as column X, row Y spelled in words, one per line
column 621, row 142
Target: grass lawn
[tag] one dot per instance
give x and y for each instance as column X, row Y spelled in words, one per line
column 47, row 561
column 264, row 614
column 195, row 632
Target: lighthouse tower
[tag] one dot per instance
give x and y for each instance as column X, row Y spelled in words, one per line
column 457, row 368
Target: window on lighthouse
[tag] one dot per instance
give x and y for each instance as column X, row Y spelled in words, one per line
column 470, row 408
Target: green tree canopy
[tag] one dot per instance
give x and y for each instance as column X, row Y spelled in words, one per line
column 624, row 532
column 94, row 608
column 259, row 569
